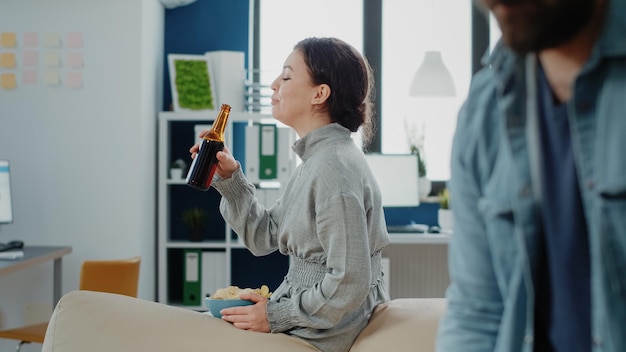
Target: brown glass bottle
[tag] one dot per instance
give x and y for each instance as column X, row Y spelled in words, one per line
column 204, row 164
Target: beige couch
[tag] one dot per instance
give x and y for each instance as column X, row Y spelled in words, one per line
column 99, row 322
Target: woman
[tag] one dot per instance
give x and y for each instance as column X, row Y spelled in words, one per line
column 329, row 219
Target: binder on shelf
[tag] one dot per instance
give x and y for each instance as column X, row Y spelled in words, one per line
column 192, row 285
column 267, row 152
column 213, row 272
column 268, row 158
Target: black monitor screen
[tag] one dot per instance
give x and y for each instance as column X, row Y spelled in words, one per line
column 6, row 209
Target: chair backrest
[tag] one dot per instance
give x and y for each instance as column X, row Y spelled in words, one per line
column 114, row 276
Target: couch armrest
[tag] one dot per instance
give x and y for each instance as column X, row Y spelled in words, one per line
column 404, row 324
column 104, row 322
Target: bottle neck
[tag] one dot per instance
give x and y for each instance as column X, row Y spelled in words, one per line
column 219, row 125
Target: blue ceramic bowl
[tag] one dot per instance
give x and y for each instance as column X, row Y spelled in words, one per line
column 216, row 305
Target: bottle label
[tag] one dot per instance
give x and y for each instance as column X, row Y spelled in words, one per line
column 204, row 165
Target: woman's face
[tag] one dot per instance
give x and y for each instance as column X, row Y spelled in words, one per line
column 293, row 92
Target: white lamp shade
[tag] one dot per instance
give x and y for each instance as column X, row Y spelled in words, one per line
column 432, row 78
column 170, row 4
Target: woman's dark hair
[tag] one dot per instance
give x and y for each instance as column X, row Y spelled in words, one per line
column 336, row 63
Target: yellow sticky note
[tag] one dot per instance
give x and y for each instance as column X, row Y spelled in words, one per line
column 7, row 40
column 53, row 40
column 7, row 81
column 7, row 60
column 52, row 59
column 51, row 78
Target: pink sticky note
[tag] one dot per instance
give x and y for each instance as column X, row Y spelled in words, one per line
column 74, row 79
column 31, row 40
column 30, row 58
column 29, row 77
column 75, row 40
column 74, row 59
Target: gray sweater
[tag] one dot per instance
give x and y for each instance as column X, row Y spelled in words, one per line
column 330, row 221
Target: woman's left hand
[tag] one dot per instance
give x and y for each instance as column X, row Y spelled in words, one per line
column 253, row 318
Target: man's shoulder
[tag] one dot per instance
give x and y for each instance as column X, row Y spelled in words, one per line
column 479, row 113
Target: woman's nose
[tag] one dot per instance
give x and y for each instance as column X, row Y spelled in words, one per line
column 275, row 83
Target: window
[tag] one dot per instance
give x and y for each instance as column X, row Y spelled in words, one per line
column 409, row 28
column 283, row 23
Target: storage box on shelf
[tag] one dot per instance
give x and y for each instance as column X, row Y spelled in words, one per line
column 189, row 270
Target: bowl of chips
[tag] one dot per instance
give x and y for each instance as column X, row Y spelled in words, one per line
column 230, row 297
column 216, row 305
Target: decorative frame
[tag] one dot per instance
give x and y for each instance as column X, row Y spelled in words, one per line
column 191, row 82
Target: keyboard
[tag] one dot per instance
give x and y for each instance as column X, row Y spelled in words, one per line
column 13, row 245
column 408, row 228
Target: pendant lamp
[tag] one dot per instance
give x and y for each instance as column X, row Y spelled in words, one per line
column 432, row 78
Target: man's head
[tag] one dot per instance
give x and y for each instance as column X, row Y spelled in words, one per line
column 534, row 25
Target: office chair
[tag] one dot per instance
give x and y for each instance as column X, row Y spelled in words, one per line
column 113, row 276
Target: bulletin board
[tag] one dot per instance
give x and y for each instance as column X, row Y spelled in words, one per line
column 41, row 58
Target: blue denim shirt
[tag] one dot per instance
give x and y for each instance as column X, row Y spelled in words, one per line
column 493, row 252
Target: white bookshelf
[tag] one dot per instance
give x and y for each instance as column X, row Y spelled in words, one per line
column 171, row 242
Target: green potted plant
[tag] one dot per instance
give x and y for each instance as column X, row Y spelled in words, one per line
column 195, row 220
column 193, row 84
column 177, row 168
column 421, row 165
column 444, row 214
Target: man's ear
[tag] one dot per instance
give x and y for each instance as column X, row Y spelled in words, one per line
column 321, row 94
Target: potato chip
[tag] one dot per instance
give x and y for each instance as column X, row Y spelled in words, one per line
column 265, row 291
column 234, row 292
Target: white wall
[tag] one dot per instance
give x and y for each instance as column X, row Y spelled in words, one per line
column 83, row 161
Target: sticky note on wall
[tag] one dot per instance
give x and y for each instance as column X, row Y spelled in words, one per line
column 31, row 39
column 8, row 81
column 74, row 60
column 53, row 40
column 52, row 59
column 29, row 77
column 30, row 58
column 51, row 78
column 74, row 80
column 7, row 60
column 75, row 40
column 7, row 40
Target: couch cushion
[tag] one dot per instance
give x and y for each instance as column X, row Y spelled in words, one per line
column 105, row 322
column 405, row 324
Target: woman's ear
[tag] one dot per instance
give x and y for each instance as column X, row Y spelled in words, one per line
column 321, row 94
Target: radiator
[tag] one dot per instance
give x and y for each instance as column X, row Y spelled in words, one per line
column 417, row 270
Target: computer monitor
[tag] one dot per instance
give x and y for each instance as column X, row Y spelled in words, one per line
column 6, row 207
column 397, row 176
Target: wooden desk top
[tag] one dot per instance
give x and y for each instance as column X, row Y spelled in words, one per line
column 33, row 255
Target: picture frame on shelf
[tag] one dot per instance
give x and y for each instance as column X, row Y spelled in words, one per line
column 192, row 82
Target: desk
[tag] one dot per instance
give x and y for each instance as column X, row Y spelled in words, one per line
column 418, row 264
column 419, row 238
column 35, row 255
